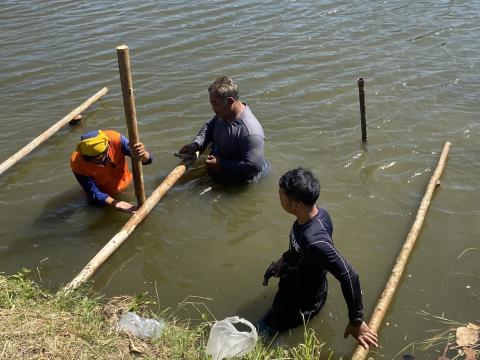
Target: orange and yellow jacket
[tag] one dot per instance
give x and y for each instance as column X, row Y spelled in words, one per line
column 101, row 180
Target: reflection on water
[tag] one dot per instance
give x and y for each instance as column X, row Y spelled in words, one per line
column 297, row 65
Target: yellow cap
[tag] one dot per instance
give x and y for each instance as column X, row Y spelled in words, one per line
column 93, row 146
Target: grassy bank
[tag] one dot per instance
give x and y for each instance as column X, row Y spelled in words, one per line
column 36, row 324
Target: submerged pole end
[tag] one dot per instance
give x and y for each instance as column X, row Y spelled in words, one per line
column 77, row 120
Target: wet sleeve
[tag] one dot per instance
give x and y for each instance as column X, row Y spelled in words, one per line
column 93, row 192
column 205, row 135
column 125, row 145
column 251, row 157
column 349, row 280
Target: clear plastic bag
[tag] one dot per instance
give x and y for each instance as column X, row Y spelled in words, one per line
column 225, row 341
column 139, row 326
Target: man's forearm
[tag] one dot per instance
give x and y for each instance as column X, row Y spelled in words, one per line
column 204, row 135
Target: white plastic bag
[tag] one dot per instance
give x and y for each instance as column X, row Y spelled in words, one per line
column 139, row 326
column 225, row 341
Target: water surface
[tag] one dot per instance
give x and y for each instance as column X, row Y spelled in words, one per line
column 296, row 63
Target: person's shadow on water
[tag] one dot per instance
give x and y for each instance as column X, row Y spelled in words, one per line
column 72, row 210
column 62, row 209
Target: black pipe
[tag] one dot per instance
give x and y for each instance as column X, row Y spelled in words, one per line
column 363, row 118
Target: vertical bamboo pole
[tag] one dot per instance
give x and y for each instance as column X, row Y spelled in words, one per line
column 363, row 118
column 392, row 284
column 50, row 131
column 131, row 118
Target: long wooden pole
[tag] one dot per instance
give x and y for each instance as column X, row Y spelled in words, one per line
column 131, row 118
column 391, row 286
column 128, row 228
column 363, row 117
column 49, row 132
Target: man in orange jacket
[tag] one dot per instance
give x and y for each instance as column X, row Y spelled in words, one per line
column 100, row 166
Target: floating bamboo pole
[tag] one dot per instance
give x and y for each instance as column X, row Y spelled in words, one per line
column 363, row 118
column 131, row 118
column 391, row 286
column 52, row 130
column 128, row 228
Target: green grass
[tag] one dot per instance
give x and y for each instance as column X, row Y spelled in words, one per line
column 36, row 324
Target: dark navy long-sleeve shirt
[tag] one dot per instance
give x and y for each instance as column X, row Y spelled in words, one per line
column 310, row 255
column 95, row 195
column 239, row 145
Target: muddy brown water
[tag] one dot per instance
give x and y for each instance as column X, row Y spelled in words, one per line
column 296, row 63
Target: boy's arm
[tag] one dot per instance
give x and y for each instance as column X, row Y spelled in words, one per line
column 343, row 272
column 350, row 284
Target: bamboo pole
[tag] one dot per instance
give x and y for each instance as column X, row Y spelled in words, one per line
column 391, row 286
column 49, row 132
column 131, row 118
column 128, row 228
column 363, row 118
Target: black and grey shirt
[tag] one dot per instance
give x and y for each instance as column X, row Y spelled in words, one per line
column 310, row 255
column 238, row 144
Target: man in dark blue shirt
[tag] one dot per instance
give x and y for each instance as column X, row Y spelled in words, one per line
column 302, row 269
column 235, row 134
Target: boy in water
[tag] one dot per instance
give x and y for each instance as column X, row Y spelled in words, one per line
column 302, row 269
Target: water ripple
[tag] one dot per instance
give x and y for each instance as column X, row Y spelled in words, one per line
column 297, row 64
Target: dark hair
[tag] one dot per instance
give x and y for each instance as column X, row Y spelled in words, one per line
column 300, row 184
